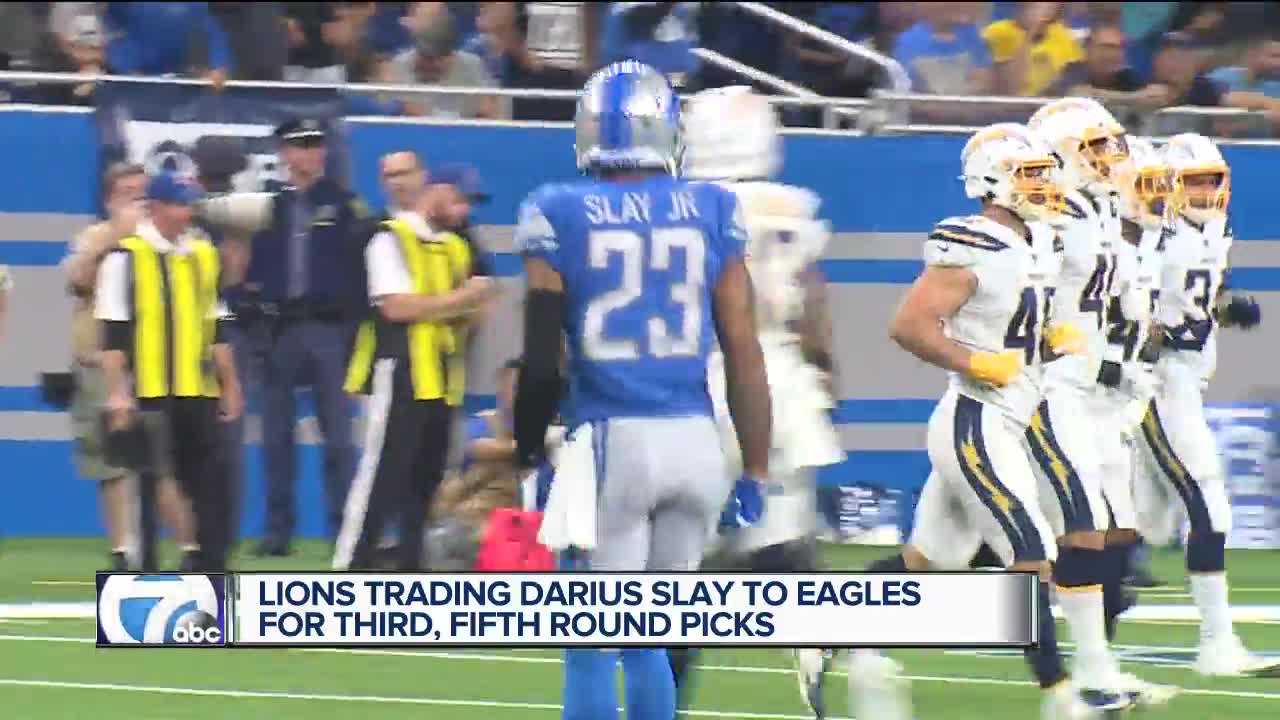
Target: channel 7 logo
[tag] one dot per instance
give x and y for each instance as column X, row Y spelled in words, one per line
column 161, row 610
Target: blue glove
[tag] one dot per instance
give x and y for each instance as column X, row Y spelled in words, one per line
column 746, row 504
column 1242, row 311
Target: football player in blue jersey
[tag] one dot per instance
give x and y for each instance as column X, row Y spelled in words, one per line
column 643, row 273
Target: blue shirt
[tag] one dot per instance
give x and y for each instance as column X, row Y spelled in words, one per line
column 155, row 37
column 639, row 261
column 668, row 48
column 1234, row 79
column 942, row 67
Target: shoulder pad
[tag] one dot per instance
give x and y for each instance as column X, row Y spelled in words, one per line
column 964, row 232
column 775, row 199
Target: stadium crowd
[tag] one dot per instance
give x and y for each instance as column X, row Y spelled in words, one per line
column 1137, row 57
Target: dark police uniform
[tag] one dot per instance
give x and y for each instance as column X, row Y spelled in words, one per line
column 306, row 273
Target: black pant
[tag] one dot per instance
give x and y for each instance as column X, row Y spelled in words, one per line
column 405, row 451
column 188, row 431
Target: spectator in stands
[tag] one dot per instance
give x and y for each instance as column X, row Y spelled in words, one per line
column 1260, row 72
column 314, row 29
column 386, row 33
column 1176, row 65
column 435, row 60
column 155, row 39
column 502, row 43
column 1105, row 74
column 1031, row 50
column 944, row 52
column 659, row 34
column 79, row 41
column 19, row 35
column 817, row 65
column 258, row 38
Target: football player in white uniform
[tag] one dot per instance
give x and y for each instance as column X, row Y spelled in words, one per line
column 731, row 137
column 1063, row 435
column 978, row 311
column 1144, row 195
column 1190, row 311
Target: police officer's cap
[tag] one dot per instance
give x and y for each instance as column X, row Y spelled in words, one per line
column 300, row 131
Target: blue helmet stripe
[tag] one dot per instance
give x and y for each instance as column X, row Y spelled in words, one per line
column 611, row 118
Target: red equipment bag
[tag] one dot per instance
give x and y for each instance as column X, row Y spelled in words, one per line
column 510, row 543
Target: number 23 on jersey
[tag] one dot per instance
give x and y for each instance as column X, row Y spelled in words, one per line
column 647, row 278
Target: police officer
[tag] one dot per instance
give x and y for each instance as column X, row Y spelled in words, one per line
column 165, row 360
column 306, row 285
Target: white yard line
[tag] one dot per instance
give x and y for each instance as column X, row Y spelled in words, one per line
column 69, row 583
column 383, row 699
column 527, row 660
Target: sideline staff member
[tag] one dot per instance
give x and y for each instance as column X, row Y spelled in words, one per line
column 410, row 357
column 124, row 186
column 158, row 300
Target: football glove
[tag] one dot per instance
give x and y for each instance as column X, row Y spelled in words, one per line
column 746, row 504
column 1065, row 339
column 998, row 368
column 1242, row 311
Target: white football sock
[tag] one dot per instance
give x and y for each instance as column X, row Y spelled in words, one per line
column 1210, row 593
column 1082, row 607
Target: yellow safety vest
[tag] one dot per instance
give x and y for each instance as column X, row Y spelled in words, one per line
column 173, row 327
column 437, row 362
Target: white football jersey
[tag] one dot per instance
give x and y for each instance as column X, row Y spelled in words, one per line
column 784, row 237
column 1006, row 310
column 1090, row 237
column 1133, row 300
column 1194, row 264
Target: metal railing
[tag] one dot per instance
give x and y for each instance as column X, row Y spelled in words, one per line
column 799, row 97
column 882, row 114
column 899, row 80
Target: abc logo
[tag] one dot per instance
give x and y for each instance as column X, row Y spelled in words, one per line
column 159, row 609
column 197, row 627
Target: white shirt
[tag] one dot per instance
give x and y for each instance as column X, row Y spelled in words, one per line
column 388, row 274
column 112, row 302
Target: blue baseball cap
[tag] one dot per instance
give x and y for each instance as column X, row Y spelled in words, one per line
column 173, row 189
column 462, row 176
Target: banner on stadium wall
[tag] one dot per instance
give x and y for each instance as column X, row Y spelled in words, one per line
column 565, row 609
column 135, row 120
column 1246, row 436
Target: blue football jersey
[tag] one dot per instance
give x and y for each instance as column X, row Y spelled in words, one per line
column 639, row 261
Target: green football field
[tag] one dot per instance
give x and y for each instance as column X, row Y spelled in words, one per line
column 50, row 669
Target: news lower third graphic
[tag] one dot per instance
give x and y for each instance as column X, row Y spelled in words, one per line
column 567, row 609
column 162, row 610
